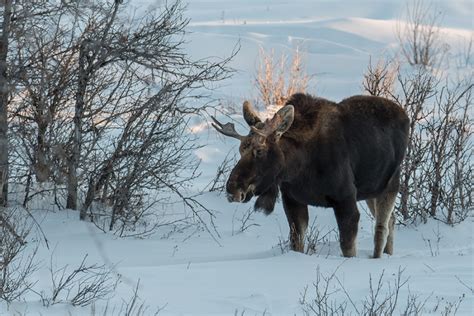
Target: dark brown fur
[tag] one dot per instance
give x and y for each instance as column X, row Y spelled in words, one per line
column 332, row 155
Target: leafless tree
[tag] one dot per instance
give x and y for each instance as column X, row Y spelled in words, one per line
column 42, row 71
column 4, row 95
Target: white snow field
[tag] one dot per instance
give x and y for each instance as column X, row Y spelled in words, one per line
column 187, row 272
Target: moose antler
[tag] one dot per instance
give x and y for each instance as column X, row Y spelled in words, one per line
column 228, row 129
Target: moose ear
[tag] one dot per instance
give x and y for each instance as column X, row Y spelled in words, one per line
column 284, row 117
column 249, row 114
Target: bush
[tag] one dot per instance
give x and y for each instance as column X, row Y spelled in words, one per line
column 102, row 108
column 277, row 79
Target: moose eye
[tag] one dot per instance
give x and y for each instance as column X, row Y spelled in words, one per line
column 259, row 153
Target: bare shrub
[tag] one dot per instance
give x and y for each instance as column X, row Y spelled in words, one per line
column 377, row 303
column 243, row 313
column 133, row 306
column 411, row 91
column 314, row 238
column 436, row 169
column 317, row 240
column 468, row 287
column 433, row 242
column 446, row 308
column 322, row 302
column 222, row 174
column 43, row 70
column 419, row 34
column 17, row 263
column 383, row 298
column 449, row 134
column 283, row 244
column 465, row 59
column 102, row 106
column 380, row 80
column 244, row 222
column 414, row 305
column 416, row 90
column 80, row 286
column 277, row 79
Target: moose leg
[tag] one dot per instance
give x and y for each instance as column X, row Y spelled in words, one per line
column 391, row 226
column 384, row 224
column 347, row 216
column 297, row 215
column 371, row 205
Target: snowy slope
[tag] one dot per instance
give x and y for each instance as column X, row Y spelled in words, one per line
column 246, row 273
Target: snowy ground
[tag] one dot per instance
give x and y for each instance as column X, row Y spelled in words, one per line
column 188, row 272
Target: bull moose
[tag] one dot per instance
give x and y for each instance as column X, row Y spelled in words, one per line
column 318, row 152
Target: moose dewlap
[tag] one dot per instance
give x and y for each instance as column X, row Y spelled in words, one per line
column 322, row 153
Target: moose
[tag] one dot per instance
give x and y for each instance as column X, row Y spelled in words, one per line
column 321, row 153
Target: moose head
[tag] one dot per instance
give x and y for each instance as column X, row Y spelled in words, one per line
column 261, row 158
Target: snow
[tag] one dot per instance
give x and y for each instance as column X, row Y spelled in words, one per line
column 187, row 272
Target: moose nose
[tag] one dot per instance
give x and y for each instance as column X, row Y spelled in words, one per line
column 238, row 196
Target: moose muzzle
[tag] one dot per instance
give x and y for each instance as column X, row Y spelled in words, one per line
column 239, row 195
